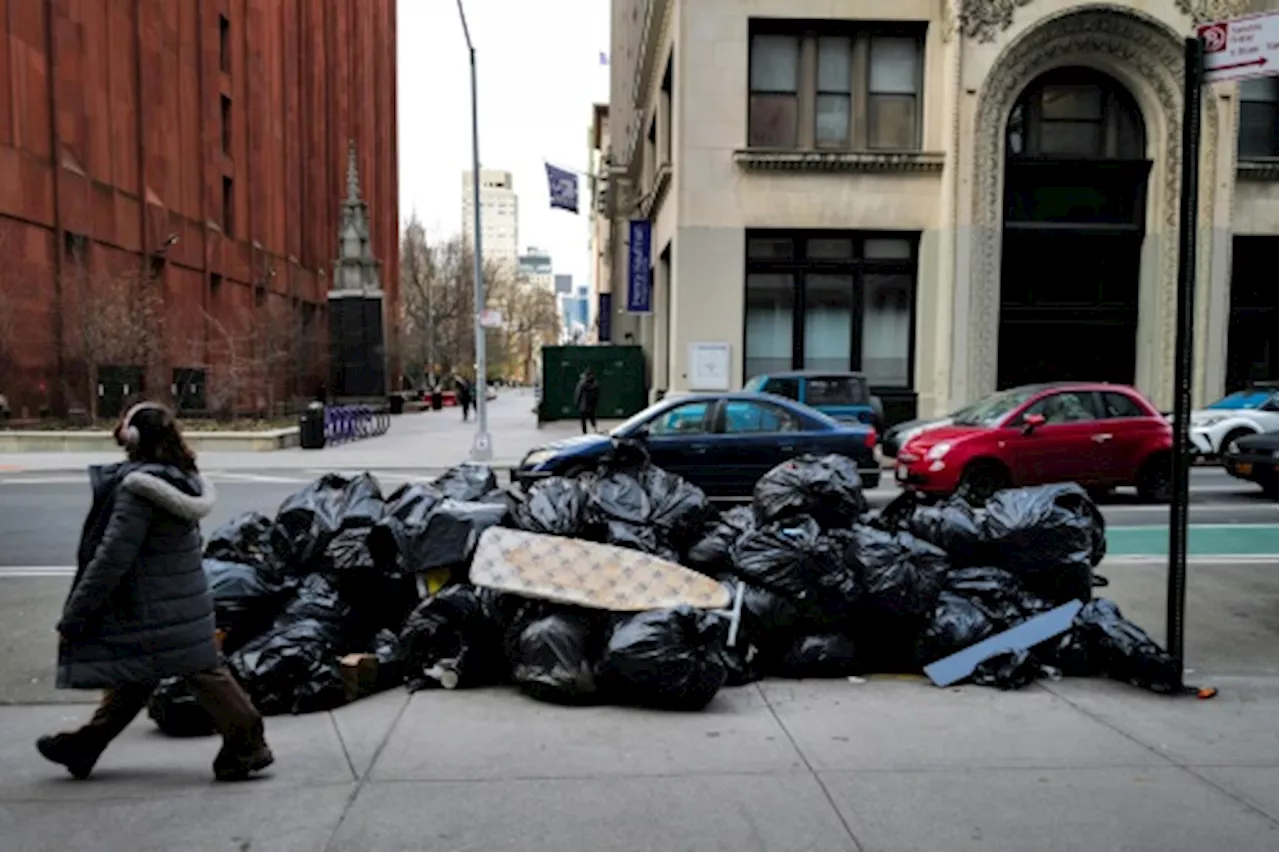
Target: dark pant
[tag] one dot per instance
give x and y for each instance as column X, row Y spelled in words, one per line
column 234, row 715
column 588, row 417
column 466, row 409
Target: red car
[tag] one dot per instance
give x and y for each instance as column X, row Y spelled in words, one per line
column 1099, row 435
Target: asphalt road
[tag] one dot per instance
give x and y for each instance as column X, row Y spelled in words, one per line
column 41, row 515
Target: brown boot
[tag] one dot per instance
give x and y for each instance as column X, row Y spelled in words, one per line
column 71, row 751
column 237, row 762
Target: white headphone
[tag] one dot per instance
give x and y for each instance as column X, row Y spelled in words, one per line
column 129, row 436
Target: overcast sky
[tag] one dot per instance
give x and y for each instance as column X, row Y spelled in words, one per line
column 540, row 73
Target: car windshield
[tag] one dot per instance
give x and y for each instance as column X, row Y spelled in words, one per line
column 1241, row 400
column 990, row 410
column 834, row 390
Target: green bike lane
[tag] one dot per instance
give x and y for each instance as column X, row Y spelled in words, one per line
column 1202, row 540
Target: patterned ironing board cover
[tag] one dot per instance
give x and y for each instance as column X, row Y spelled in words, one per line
column 584, row 573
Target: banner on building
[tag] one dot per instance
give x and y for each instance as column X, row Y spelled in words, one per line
column 604, row 318
column 639, row 271
column 563, row 186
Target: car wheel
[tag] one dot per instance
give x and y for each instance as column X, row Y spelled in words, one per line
column 1233, row 435
column 982, row 479
column 1155, row 480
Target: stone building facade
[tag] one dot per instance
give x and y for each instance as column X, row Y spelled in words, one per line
column 199, row 149
column 952, row 196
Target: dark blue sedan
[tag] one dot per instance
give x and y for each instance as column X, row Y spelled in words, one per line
column 721, row 442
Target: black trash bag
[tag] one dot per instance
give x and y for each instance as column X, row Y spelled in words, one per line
column 176, row 712
column 678, row 509
column 553, row 506
column 251, row 539
column 467, row 482
column 645, row 508
column 953, row 526
column 895, row 515
column 956, row 623
column 821, row 656
column 646, row 539
column 399, row 537
column 1050, row 536
column 1012, row 670
column 999, row 594
column 711, row 554
column 554, row 659
column 244, row 601
column 825, row 488
column 901, row 575
column 666, row 658
column 313, row 516
column 1119, row 649
column 452, row 533
column 293, row 667
column 797, row 561
column 386, row 646
column 454, row 639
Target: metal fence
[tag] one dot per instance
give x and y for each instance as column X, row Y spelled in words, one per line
column 344, row 423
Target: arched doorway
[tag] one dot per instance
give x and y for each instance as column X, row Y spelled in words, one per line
column 1074, row 216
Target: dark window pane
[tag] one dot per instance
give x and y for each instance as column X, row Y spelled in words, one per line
column 1071, row 138
column 886, row 329
column 831, row 121
column 1069, row 407
column 828, row 248
column 773, row 121
column 828, row 321
column 1082, row 103
column 775, row 63
column 1017, row 130
column 895, row 65
column 1259, row 129
column 770, row 313
column 1130, row 141
column 1264, row 89
column 1119, row 405
column 790, row 388
column 835, row 390
column 769, row 248
column 745, row 418
column 688, row 419
column 886, row 248
column 892, row 122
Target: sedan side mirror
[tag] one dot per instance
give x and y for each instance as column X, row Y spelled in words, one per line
column 1032, row 422
column 641, row 434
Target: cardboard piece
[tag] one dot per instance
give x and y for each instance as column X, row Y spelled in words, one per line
column 359, row 675
column 1028, row 634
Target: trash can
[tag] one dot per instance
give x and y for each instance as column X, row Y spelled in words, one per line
column 397, row 404
column 311, row 427
column 437, row 400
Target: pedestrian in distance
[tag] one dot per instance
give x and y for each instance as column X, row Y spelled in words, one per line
column 463, row 389
column 587, row 397
column 140, row 610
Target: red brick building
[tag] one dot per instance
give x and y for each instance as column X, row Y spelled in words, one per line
column 171, row 180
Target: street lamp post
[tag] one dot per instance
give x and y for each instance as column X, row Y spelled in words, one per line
column 481, row 445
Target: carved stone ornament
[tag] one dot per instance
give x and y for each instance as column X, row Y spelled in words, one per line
column 983, row 20
column 1203, row 11
column 1107, row 40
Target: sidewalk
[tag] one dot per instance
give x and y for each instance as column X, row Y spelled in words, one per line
column 427, row 440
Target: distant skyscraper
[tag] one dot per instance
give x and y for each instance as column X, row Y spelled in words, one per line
column 564, row 284
column 499, row 216
column 535, row 267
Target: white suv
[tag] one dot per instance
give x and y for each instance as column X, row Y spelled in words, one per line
column 1237, row 415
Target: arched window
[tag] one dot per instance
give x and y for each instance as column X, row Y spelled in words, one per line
column 1076, row 113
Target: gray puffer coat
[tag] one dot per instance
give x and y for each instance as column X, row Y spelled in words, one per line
column 139, row 608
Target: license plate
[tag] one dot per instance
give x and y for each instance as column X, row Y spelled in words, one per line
column 1244, row 468
column 901, row 473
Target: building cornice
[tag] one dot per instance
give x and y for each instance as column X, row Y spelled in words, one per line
column 864, row 162
column 1258, row 170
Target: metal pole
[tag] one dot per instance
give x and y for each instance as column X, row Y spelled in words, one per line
column 1183, row 343
column 481, row 445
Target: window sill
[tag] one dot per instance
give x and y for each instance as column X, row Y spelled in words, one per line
column 1258, row 169
column 867, row 162
column 657, row 192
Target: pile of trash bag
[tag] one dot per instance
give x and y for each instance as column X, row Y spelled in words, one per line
column 338, row 582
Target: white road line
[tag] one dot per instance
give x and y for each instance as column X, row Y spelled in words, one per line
column 19, row 571
column 256, row 478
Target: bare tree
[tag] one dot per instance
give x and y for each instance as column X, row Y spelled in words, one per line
column 113, row 318
column 260, row 356
column 531, row 319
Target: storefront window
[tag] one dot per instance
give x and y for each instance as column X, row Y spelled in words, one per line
column 886, row 329
column 828, row 321
column 770, row 312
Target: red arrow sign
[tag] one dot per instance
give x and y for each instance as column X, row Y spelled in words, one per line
column 1259, row 61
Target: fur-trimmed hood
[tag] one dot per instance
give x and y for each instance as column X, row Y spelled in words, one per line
column 189, row 496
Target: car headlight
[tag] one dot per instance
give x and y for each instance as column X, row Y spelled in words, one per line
column 537, row 458
column 937, row 451
column 1207, row 422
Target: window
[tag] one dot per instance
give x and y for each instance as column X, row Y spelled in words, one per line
column 226, row 124
column 790, row 388
column 215, row 285
column 752, row 418
column 835, row 390
column 75, row 248
column 667, row 112
column 1076, row 112
column 1116, row 405
column 224, row 44
column 687, row 419
column 228, row 206
column 831, row 87
column 1259, row 135
column 831, row 302
column 1067, row 407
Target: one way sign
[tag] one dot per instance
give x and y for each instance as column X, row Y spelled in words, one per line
column 1242, row 48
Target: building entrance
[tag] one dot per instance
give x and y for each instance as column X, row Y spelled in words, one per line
column 1074, row 219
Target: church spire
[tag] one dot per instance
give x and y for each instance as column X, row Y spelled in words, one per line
column 356, row 269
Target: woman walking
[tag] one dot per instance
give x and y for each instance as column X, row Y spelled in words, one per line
column 140, row 609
